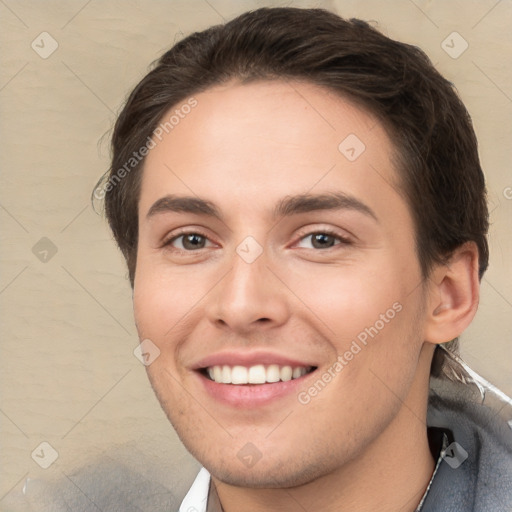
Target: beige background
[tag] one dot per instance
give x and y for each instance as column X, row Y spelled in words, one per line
column 68, row 373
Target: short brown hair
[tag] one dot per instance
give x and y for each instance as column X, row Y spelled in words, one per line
column 436, row 148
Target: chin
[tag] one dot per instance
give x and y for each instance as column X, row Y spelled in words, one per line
column 287, row 472
column 264, row 478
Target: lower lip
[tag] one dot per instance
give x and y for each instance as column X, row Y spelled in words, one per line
column 252, row 395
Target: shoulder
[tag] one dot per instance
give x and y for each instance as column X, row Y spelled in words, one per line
column 476, row 471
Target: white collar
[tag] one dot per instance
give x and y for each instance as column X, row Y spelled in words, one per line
column 196, row 499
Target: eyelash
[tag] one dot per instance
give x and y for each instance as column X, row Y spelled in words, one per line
column 342, row 240
column 168, row 243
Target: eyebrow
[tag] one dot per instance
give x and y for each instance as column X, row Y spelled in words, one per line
column 186, row 204
column 303, row 203
column 290, row 205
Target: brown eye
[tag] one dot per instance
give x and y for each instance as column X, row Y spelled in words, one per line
column 189, row 241
column 321, row 240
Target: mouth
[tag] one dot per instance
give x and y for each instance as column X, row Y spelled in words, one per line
column 251, row 387
column 238, row 375
column 253, row 378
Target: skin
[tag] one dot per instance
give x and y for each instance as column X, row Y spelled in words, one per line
column 361, row 443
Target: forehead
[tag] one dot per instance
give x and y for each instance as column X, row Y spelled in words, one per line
column 260, row 140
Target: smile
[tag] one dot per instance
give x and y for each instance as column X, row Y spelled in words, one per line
column 252, row 378
column 257, row 374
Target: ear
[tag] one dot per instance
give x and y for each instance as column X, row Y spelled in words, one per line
column 453, row 293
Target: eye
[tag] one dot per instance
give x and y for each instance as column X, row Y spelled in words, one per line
column 321, row 240
column 189, row 242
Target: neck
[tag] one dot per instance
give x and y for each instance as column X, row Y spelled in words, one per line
column 391, row 474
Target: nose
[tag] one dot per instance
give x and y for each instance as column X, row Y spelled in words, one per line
column 250, row 296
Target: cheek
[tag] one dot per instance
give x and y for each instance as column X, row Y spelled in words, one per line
column 372, row 316
column 162, row 299
column 350, row 299
column 168, row 304
column 157, row 309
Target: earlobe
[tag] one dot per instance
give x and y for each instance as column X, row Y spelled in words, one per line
column 453, row 295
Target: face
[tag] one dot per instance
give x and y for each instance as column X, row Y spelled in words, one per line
column 277, row 275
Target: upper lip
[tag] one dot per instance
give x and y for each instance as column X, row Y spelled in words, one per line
column 231, row 358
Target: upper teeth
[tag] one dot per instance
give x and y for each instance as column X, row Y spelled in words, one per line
column 258, row 374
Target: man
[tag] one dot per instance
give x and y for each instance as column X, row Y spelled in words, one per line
column 302, row 210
